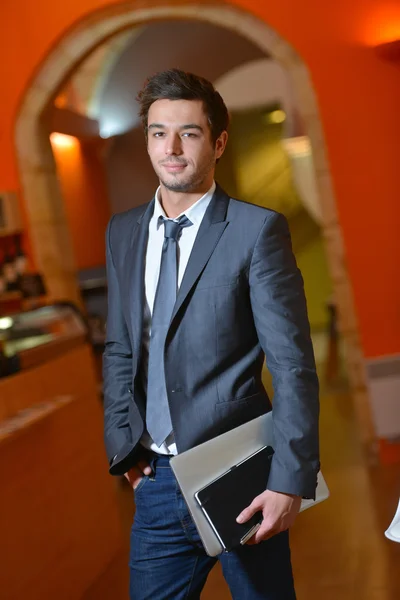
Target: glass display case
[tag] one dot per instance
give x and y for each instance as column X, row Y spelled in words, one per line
column 23, row 333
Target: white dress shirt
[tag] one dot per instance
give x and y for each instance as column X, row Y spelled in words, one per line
column 152, row 270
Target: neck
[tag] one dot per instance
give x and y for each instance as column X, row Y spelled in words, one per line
column 175, row 203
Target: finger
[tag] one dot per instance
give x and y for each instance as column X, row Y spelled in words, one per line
column 251, row 510
column 133, row 474
column 265, row 532
column 134, row 477
column 253, row 541
column 144, row 467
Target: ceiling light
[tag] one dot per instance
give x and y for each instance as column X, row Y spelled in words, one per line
column 6, row 323
column 63, row 141
column 276, row 116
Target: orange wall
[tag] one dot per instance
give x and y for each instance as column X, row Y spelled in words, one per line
column 358, row 95
column 86, row 205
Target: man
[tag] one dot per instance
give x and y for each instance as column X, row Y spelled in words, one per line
column 201, row 286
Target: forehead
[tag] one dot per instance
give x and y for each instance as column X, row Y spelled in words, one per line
column 177, row 112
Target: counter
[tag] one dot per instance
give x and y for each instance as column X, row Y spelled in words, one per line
column 59, row 519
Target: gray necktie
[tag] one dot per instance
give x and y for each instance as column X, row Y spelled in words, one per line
column 158, row 419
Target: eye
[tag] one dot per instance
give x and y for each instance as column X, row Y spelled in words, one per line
column 189, row 134
column 158, row 134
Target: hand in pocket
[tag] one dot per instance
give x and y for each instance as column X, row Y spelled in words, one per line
column 136, row 473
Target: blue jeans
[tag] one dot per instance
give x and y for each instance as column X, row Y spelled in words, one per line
column 168, row 561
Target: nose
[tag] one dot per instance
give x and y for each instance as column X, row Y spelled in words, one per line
column 173, row 146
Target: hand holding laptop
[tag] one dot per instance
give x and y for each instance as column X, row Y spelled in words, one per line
column 222, row 476
column 279, row 513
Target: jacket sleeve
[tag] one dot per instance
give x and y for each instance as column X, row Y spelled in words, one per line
column 280, row 315
column 117, row 363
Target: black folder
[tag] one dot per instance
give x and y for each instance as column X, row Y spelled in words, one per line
column 223, row 499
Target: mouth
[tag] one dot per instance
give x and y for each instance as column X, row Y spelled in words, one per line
column 174, row 167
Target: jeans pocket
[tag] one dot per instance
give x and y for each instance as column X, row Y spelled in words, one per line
column 140, row 484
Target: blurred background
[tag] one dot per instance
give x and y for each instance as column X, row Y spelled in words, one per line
column 313, row 92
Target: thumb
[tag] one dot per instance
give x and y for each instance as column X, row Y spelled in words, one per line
column 248, row 512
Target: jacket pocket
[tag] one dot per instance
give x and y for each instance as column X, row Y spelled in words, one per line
column 233, row 413
column 241, row 399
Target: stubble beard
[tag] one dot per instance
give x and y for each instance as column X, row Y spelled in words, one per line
column 192, row 182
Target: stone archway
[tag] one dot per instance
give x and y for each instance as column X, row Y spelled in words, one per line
column 42, row 196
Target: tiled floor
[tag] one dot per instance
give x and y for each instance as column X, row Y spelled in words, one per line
column 339, row 549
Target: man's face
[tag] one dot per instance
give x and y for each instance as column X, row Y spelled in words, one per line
column 180, row 145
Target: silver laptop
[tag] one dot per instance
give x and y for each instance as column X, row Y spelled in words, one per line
column 198, row 466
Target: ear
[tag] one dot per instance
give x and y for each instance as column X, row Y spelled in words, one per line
column 220, row 144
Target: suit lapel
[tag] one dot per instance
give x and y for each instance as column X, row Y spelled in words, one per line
column 210, row 231
column 136, row 266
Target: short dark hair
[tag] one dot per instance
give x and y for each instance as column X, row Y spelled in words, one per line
column 175, row 84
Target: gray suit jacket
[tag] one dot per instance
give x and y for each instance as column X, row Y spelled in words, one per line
column 241, row 297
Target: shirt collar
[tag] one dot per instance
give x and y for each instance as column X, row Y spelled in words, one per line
column 194, row 213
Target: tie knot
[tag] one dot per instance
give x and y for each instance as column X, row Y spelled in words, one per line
column 172, row 229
